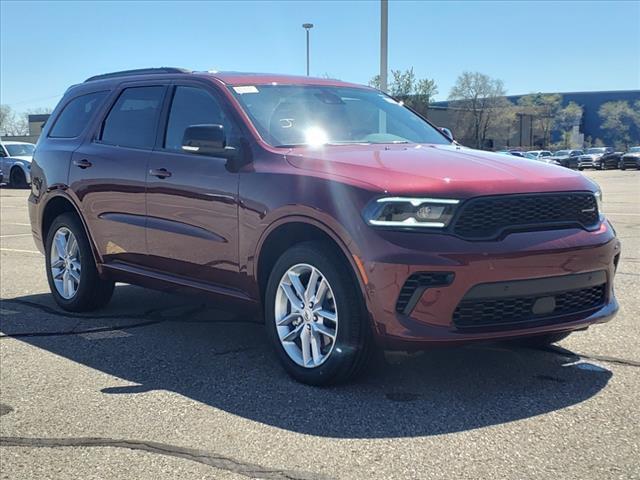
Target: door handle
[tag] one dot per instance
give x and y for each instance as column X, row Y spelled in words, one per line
column 160, row 172
column 84, row 163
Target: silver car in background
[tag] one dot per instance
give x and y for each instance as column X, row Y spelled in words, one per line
column 15, row 163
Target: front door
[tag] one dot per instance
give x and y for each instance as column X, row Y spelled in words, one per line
column 192, row 210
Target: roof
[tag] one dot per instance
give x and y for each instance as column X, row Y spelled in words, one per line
column 246, row 78
column 229, row 78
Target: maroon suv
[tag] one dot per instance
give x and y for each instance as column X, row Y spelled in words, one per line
column 344, row 217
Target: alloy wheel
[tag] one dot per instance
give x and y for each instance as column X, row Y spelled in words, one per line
column 65, row 263
column 306, row 315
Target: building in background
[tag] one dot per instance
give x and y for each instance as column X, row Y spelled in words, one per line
column 524, row 133
column 36, row 123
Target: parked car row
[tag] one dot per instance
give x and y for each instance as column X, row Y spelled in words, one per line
column 599, row 158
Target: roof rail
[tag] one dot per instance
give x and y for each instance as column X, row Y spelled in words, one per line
column 139, row 71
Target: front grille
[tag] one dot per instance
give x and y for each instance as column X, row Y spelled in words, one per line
column 415, row 286
column 488, row 217
column 514, row 310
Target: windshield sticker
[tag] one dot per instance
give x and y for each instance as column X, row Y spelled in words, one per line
column 245, row 89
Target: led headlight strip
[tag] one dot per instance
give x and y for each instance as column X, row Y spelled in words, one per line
column 411, row 212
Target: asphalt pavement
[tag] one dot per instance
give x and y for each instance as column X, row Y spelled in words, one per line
column 164, row 386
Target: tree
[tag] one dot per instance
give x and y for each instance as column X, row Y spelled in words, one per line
column 416, row 93
column 567, row 118
column 544, row 109
column 403, row 83
column 17, row 124
column 424, row 91
column 481, row 97
column 12, row 123
column 621, row 120
column 375, row 82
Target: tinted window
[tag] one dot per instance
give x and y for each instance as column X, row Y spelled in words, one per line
column 76, row 114
column 192, row 106
column 132, row 121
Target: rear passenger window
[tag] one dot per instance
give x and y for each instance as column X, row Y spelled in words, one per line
column 192, row 106
column 133, row 119
column 76, row 114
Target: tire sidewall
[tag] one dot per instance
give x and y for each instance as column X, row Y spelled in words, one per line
column 348, row 307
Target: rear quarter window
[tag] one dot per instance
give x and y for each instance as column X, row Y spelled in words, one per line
column 76, row 115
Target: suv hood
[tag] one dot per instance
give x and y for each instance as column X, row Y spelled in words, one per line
column 442, row 170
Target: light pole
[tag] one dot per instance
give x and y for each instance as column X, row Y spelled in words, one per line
column 307, row 27
column 384, row 29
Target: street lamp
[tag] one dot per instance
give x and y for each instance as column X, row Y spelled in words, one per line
column 307, row 27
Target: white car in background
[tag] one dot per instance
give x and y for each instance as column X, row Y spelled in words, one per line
column 15, row 163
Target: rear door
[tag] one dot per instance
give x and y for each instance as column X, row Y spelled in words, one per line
column 192, row 209
column 108, row 173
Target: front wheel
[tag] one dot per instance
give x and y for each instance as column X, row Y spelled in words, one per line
column 315, row 315
column 71, row 270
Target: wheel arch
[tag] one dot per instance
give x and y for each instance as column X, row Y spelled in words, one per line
column 58, row 204
column 289, row 231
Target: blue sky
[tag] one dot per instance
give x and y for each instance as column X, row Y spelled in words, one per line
column 531, row 46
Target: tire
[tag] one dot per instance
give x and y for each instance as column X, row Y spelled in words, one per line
column 340, row 359
column 91, row 292
column 541, row 341
column 17, row 178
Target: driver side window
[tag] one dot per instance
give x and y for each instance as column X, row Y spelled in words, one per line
column 192, row 106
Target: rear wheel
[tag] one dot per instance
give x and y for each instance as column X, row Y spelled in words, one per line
column 17, row 178
column 71, row 270
column 315, row 315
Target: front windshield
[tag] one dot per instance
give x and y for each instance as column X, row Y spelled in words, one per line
column 596, row 150
column 20, row 149
column 292, row 115
column 561, row 153
column 635, row 149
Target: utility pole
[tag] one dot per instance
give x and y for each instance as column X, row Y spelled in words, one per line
column 384, row 28
column 307, row 27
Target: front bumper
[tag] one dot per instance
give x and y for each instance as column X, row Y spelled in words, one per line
column 589, row 163
column 520, row 256
column 630, row 162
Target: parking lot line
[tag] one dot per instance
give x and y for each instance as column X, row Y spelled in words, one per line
column 18, row 250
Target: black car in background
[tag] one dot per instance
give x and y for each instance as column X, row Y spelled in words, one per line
column 566, row 158
column 599, row 158
column 631, row 159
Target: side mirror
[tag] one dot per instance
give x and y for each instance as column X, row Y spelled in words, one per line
column 207, row 140
column 447, row 132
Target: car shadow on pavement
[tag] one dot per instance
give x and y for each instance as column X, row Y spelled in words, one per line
column 179, row 344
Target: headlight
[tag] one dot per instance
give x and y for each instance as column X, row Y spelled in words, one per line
column 410, row 212
column 598, row 195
